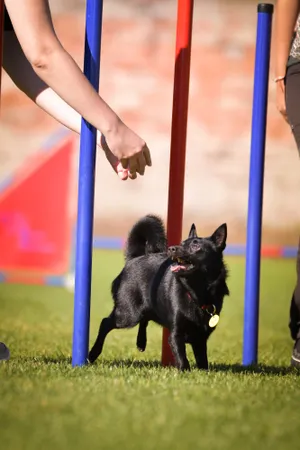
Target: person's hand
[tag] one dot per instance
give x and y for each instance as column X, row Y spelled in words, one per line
column 280, row 99
column 129, row 149
column 113, row 160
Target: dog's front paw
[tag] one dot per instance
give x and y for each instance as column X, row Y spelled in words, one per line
column 141, row 344
column 185, row 366
column 92, row 357
column 203, row 368
column 141, row 341
column 202, row 364
column 141, row 348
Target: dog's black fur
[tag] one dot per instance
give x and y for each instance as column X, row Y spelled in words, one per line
column 175, row 287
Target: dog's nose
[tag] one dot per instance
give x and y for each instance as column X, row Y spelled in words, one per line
column 172, row 249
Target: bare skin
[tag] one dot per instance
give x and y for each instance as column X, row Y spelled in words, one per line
column 43, row 69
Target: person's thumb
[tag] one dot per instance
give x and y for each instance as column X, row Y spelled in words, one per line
column 122, row 173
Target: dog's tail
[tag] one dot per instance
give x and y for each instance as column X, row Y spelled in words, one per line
column 147, row 236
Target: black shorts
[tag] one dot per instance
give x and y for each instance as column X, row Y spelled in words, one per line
column 7, row 22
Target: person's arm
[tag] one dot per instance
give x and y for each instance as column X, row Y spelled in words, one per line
column 22, row 74
column 286, row 13
column 33, row 26
column 24, row 77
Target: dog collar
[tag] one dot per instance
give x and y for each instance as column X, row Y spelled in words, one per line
column 214, row 318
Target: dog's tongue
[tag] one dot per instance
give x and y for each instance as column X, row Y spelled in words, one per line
column 177, row 267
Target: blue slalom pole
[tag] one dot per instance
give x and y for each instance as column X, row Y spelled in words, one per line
column 86, row 187
column 256, row 180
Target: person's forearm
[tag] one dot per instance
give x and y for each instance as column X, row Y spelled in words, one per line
column 62, row 74
column 286, row 13
column 52, row 104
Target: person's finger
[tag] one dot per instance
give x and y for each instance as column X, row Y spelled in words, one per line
column 132, row 164
column 122, row 173
column 132, row 167
column 147, row 156
column 138, row 169
column 132, row 176
column 141, row 163
column 125, row 163
column 116, row 164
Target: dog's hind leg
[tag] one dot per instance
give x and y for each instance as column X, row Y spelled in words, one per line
column 141, row 340
column 107, row 324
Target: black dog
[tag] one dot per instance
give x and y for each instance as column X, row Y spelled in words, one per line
column 181, row 288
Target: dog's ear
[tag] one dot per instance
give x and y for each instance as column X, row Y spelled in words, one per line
column 219, row 236
column 193, row 232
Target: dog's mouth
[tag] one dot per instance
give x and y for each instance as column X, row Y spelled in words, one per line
column 180, row 265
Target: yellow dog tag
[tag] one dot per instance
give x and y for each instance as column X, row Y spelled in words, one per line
column 213, row 321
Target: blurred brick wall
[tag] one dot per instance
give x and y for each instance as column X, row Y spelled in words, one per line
column 137, row 80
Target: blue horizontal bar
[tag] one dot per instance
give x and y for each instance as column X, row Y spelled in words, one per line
column 289, row 252
column 6, row 182
column 55, row 139
column 115, row 243
column 55, row 281
column 109, row 243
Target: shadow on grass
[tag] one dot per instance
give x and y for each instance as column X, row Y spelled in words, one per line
column 63, row 360
column 111, row 363
column 130, row 363
column 261, row 369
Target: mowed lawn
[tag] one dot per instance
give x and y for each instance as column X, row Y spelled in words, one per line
column 127, row 400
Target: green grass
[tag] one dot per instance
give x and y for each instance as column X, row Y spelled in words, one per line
column 127, row 400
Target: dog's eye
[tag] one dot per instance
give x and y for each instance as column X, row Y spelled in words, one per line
column 195, row 241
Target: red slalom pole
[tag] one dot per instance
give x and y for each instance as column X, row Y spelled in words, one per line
column 178, row 137
column 1, row 39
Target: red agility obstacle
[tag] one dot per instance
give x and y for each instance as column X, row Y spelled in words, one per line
column 178, row 137
column 36, row 217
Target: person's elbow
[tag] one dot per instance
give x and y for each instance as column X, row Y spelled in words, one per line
column 42, row 55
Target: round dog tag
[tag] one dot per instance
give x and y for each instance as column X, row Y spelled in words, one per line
column 213, row 321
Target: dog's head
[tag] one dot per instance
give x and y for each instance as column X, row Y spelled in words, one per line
column 197, row 253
